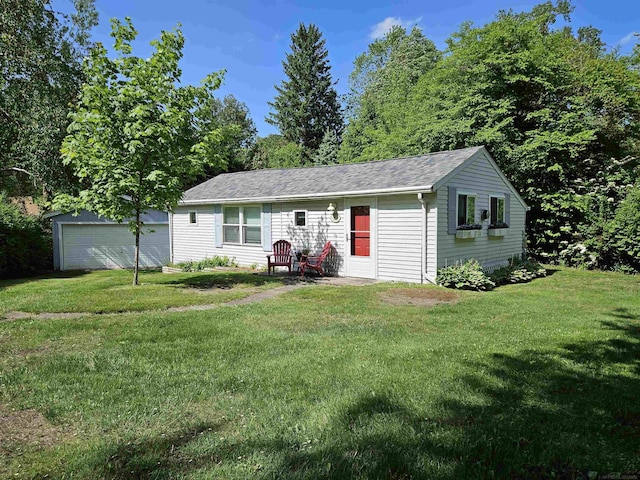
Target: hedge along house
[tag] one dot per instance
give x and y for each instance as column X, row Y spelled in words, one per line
column 87, row 241
column 398, row 219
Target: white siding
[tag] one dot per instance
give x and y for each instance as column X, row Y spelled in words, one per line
column 479, row 177
column 318, row 230
column 400, row 238
column 196, row 242
column 193, row 241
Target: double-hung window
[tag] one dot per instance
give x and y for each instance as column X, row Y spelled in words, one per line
column 251, row 225
column 497, row 211
column 466, row 209
column 242, row 225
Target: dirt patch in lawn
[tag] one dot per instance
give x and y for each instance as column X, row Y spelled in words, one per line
column 26, row 428
column 421, row 297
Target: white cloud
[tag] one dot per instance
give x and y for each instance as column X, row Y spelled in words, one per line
column 379, row 30
column 631, row 36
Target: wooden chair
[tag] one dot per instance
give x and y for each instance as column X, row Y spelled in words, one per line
column 315, row 262
column 281, row 256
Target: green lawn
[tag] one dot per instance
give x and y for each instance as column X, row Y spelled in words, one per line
column 537, row 380
column 111, row 290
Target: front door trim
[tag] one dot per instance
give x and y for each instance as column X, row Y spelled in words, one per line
column 364, row 267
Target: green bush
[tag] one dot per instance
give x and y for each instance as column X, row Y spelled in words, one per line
column 622, row 234
column 518, row 271
column 464, row 276
column 25, row 242
column 193, row 266
column 579, row 255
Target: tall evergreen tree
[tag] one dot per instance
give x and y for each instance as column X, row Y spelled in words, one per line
column 306, row 105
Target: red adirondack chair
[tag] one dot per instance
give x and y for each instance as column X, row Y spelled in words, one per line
column 281, row 256
column 315, row 262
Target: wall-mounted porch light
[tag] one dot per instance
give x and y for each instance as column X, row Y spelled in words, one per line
column 334, row 215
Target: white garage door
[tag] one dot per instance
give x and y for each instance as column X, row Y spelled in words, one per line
column 112, row 246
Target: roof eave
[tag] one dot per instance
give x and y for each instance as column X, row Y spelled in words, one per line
column 313, row 196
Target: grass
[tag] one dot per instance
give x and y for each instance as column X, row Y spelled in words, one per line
column 527, row 381
column 111, row 290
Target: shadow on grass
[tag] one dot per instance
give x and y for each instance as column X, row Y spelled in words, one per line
column 157, row 457
column 227, row 280
column 563, row 414
column 43, row 276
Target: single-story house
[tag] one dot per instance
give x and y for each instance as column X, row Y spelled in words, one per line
column 88, row 241
column 400, row 219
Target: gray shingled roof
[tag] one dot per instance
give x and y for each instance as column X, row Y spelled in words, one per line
column 421, row 171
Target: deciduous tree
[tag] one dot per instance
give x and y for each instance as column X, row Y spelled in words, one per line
column 40, row 76
column 238, row 135
column 135, row 135
column 559, row 112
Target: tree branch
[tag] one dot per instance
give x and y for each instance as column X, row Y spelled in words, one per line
column 21, row 170
column 8, row 116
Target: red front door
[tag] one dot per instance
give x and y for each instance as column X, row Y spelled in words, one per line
column 360, row 231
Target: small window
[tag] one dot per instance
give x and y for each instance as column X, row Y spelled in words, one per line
column 193, row 219
column 300, row 218
column 497, row 211
column 466, row 209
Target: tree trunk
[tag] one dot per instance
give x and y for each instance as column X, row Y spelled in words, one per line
column 137, row 253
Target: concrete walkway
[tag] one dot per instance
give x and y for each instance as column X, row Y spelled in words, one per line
column 254, row 298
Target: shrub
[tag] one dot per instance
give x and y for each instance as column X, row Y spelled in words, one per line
column 198, row 266
column 25, row 242
column 622, row 234
column 518, row 271
column 464, row 276
column 578, row 255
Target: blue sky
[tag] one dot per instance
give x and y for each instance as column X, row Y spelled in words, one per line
column 249, row 39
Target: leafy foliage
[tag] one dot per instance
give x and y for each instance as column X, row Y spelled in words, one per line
column 306, row 105
column 198, row 266
column 41, row 74
column 622, row 235
column 465, row 276
column 237, row 136
column 381, row 81
column 518, row 271
column 559, row 113
column 274, row 151
column 25, row 242
column 135, row 136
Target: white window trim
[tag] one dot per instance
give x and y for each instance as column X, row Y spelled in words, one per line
column 306, row 217
column 195, row 212
column 468, row 194
column 241, row 224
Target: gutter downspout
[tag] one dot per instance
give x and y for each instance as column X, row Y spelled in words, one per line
column 424, row 275
column 170, row 214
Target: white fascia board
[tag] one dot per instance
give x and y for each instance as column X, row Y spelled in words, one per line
column 312, row 196
column 55, row 213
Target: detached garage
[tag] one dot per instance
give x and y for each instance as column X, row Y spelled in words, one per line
column 87, row 241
